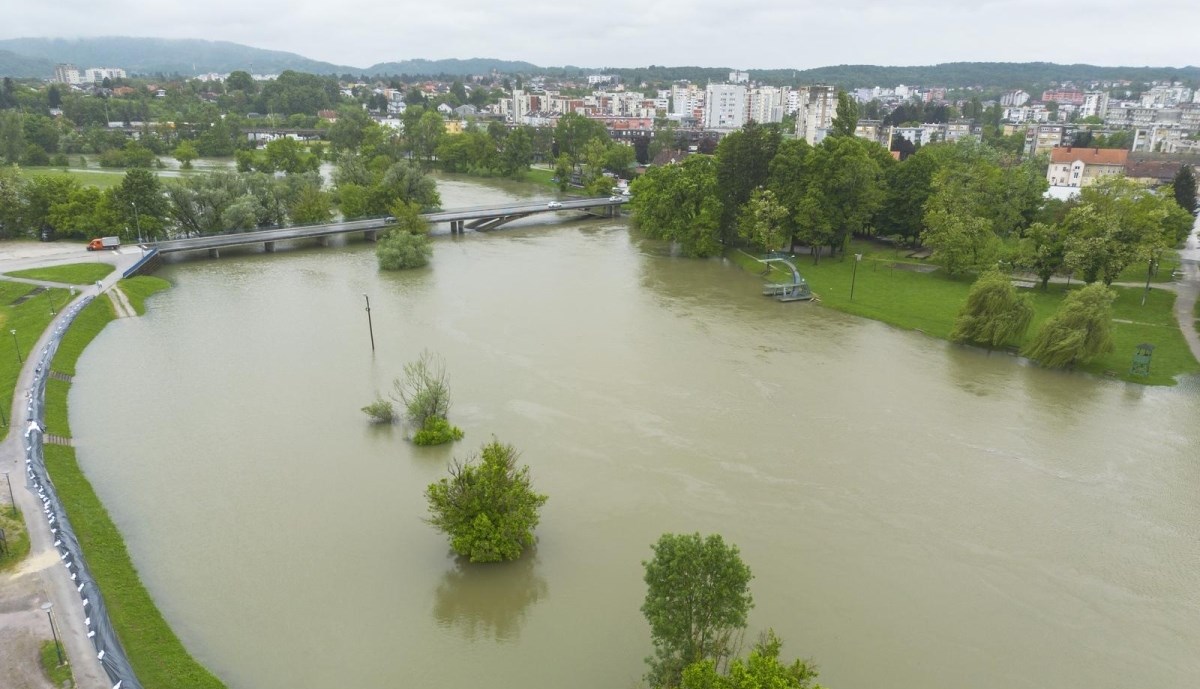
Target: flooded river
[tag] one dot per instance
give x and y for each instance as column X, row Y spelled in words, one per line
column 916, row 515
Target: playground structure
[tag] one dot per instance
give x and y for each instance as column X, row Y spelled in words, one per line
column 796, row 290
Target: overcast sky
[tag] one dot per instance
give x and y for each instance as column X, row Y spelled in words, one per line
column 628, row 33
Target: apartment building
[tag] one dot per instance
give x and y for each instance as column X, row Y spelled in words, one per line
column 816, row 107
column 768, row 104
column 725, row 107
column 1081, row 167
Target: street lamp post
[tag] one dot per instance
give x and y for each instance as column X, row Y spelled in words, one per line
column 11, row 500
column 53, row 630
column 370, row 325
column 854, row 275
column 17, row 347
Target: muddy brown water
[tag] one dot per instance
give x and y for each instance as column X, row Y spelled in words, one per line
column 916, row 515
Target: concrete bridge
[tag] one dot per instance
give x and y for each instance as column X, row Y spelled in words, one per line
column 479, row 218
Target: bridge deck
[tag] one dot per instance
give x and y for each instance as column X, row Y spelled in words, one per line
column 219, row 241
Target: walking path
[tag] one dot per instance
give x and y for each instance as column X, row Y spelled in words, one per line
column 1189, row 290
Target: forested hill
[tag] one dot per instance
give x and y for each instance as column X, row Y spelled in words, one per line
column 162, row 55
column 14, row 65
column 458, row 68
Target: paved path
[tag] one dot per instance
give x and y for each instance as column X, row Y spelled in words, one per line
column 41, row 577
column 1189, row 290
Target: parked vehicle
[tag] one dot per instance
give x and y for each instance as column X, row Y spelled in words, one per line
column 104, row 243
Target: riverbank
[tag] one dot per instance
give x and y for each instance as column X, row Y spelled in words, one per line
column 157, row 655
column 914, row 295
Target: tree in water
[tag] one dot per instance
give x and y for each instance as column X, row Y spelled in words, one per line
column 1078, row 332
column 697, row 600
column 406, row 243
column 424, row 390
column 761, row 670
column 488, row 509
column 994, row 313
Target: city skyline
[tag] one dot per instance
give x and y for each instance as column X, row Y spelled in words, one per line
column 765, row 35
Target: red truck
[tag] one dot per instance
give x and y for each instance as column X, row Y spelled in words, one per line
column 104, row 243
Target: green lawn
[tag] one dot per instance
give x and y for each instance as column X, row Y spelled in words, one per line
column 14, row 526
column 70, row 274
column 1137, row 273
column 90, row 321
column 541, row 176
column 29, row 319
column 88, row 178
column 139, row 288
column 885, row 290
column 58, row 674
column 158, row 657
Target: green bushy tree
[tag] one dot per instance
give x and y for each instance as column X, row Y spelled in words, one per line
column 994, row 313
column 1078, row 332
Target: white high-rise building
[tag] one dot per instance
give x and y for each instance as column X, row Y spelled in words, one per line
column 95, row 75
column 817, row 106
column 768, row 103
column 686, row 100
column 66, row 73
column 725, row 107
column 1095, row 104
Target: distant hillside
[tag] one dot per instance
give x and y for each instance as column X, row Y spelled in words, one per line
column 20, row 66
column 458, row 68
column 168, row 56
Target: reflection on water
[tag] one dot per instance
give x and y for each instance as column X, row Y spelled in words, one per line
column 489, row 601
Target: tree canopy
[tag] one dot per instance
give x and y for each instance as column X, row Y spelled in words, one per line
column 1078, row 332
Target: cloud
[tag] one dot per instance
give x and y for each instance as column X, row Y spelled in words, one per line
column 758, row 34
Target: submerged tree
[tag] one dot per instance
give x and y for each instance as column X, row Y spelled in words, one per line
column 406, row 243
column 762, row 670
column 488, row 509
column 1079, row 331
column 424, row 390
column 994, row 313
column 697, row 600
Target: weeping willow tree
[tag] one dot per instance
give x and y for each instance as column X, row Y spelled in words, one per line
column 994, row 313
column 1080, row 331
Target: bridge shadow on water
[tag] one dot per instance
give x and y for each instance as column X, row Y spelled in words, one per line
column 489, row 601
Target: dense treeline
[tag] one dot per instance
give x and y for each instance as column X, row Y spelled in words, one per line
column 971, row 204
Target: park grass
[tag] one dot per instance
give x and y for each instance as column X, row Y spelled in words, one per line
column 29, row 318
column 14, row 531
column 88, row 178
column 1137, row 272
column 57, row 674
column 541, row 176
column 884, row 290
column 70, row 274
column 141, row 287
column 57, row 422
column 157, row 655
column 88, row 323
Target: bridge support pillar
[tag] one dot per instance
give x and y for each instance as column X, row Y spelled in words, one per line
column 371, row 235
column 269, row 247
column 322, row 241
column 214, row 253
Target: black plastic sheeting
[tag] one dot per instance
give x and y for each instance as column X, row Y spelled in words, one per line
column 99, row 627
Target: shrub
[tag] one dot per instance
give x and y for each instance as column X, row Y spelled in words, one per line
column 380, row 411
column 994, row 313
column 436, row 431
column 1079, row 331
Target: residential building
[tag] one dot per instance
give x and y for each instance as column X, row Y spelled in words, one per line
column 95, row 75
column 768, row 104
column 816, row 107
column 869, row 130
column 1157, row 169
column 67, row 73
column 725, row 107
column 687, row 100
column 1014, row 99
column 1063, row 96
column 1044, row 137
column 1081, row 167
column 1095, row 104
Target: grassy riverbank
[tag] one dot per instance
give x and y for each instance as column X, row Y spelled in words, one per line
column 157, row 655
column 892, row 289
column 70, row 274
column 15, row 534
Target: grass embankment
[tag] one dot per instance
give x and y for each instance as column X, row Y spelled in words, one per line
column 157, row 655
column 29, row 318
column 56, row 673
column 888, row 289
column 70, row 274
column 139, row 288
